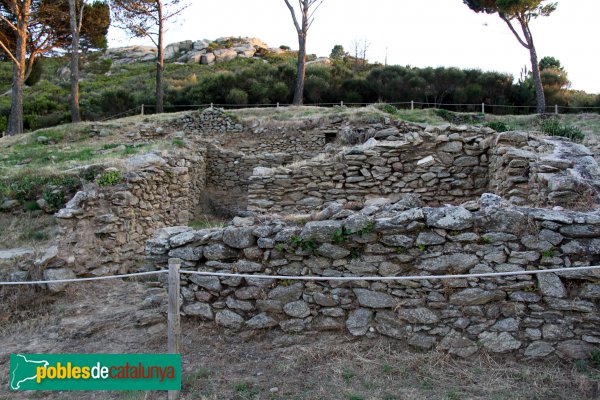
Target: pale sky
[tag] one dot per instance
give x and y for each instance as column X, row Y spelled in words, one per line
column 420, row 33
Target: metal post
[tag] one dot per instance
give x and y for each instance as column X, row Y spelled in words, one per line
column 483, row 108
column 142, row 109
column 174, row 322
column 556, row 109
column 412, row 105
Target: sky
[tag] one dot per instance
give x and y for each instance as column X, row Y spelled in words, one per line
column 419, row 33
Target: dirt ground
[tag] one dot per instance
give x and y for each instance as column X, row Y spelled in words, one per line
column 125, row 317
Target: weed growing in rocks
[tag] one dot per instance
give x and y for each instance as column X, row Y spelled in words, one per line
column 110, row 178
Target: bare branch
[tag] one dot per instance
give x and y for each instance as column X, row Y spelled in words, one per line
column 7, row 22
column 8, row 52
column 512, row 28
column 298, row 28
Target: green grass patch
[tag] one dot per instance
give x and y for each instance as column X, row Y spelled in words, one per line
column 553, row 127
column 27, row 187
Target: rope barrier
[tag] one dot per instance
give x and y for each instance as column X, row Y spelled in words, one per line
column 390, row 278
column 97, row 278
column 315, row 278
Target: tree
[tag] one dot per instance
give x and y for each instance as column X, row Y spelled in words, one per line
column 337, row 53
column 95, row 36
column 76, row 19
column 359, row 48
column 550, row 62
column 29, row 29
column 308, row 8
column 147, row 18
column 521, row 12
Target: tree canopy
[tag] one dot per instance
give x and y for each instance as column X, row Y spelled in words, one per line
column 521, row 12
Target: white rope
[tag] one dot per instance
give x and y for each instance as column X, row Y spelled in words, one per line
column 390, row 278
column 314, row 278
column 98, row 278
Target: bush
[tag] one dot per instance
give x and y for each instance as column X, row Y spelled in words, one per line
column 390, row 109
column 237, row 96
column 115, row 101
column 499, row 126
column 54, row 198
column 553, row 127
column 110, row 178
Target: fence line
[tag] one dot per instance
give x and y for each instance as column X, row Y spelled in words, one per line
column 313, row 278
column 391, row 278
column 96, row 278
column 343, row 103
column 143, row 108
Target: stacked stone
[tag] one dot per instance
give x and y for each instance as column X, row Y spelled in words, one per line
column 302, row 144
column 102, row 230
column 447, row 164
column 442, row 164
column 231, row 170
column 543, row 171
column 210, row 120
column 530, row 316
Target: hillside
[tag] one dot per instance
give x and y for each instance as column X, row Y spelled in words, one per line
column 245, row 71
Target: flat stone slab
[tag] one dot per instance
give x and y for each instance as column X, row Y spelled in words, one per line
column 15, row 253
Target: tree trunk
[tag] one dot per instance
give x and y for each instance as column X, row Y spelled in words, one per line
column 160, row 62
column 15, row 120
column 75, row 112
column 535, row 69
column 537, row 80
column 301, row 72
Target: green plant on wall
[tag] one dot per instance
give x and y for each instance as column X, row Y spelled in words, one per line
column 110, row 178
column 309, row 245
column 341, row 235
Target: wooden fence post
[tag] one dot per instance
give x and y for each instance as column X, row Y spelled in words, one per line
column 483, row 108
column 142, row 109
column 174, row 322
column 342, row 103
column 556, row 109
column 412, row 105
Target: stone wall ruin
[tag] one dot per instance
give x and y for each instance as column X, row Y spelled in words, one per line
column 529, row 316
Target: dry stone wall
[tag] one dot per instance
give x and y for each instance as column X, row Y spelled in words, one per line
column 102, row 230
column 297, row 143
column 443, row 165
column 544, row 171
column 529, row 316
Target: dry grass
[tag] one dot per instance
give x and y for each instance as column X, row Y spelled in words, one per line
column 101, row 317
column 32, row 229
column 330, row 366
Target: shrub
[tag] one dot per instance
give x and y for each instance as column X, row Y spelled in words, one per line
column 116, row 101
column 499, row 126
column 390, row 109
column 237, row 96
column 54, row 198
column 110, row 178
column 279, row 92
column 90, row 173
column 99, row 67
column 553, row 127
column 316, row 89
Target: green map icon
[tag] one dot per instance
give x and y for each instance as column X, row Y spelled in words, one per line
column 23, row 369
